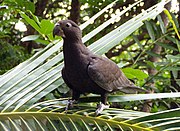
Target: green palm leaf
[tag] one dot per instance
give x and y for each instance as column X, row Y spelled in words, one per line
column 58, row 121
column 24, row 85
column 82, row 118
column 39, row 75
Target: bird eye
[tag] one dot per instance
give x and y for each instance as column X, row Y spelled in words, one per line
column 68, row 25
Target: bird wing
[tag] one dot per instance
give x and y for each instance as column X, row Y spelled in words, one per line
column 108, row 76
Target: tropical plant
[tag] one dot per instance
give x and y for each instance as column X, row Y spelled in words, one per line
column 22, row 88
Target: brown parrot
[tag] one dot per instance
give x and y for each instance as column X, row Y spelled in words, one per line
column 86, row 72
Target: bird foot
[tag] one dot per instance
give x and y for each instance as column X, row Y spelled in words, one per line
column 101, row 107
column 70, row 104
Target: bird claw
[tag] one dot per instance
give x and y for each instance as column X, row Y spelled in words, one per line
column 101, row 107
column 70, row 104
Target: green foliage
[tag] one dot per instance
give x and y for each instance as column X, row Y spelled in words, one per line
column 12, row 53
column 10, row 56
column 135, row 74
column 39, row 77
column 169, row 43
column 50, row 115
column 26, row 5
column 44, row 28
column 149, row 27
column 172, row 21
column 30, row 37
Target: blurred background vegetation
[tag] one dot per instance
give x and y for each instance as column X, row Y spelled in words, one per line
column 151, row 52
column 136, row 34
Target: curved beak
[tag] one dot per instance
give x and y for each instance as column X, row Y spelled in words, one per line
column 58, row 31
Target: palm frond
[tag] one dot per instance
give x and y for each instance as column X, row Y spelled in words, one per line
column 58, row 121
column 52, row 117
column 36, row 77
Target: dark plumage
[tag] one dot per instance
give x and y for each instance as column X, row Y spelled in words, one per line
column 85, row 72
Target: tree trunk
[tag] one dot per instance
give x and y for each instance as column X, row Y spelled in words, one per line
column 151, row 71
column 157, row 50
column 75, row 11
